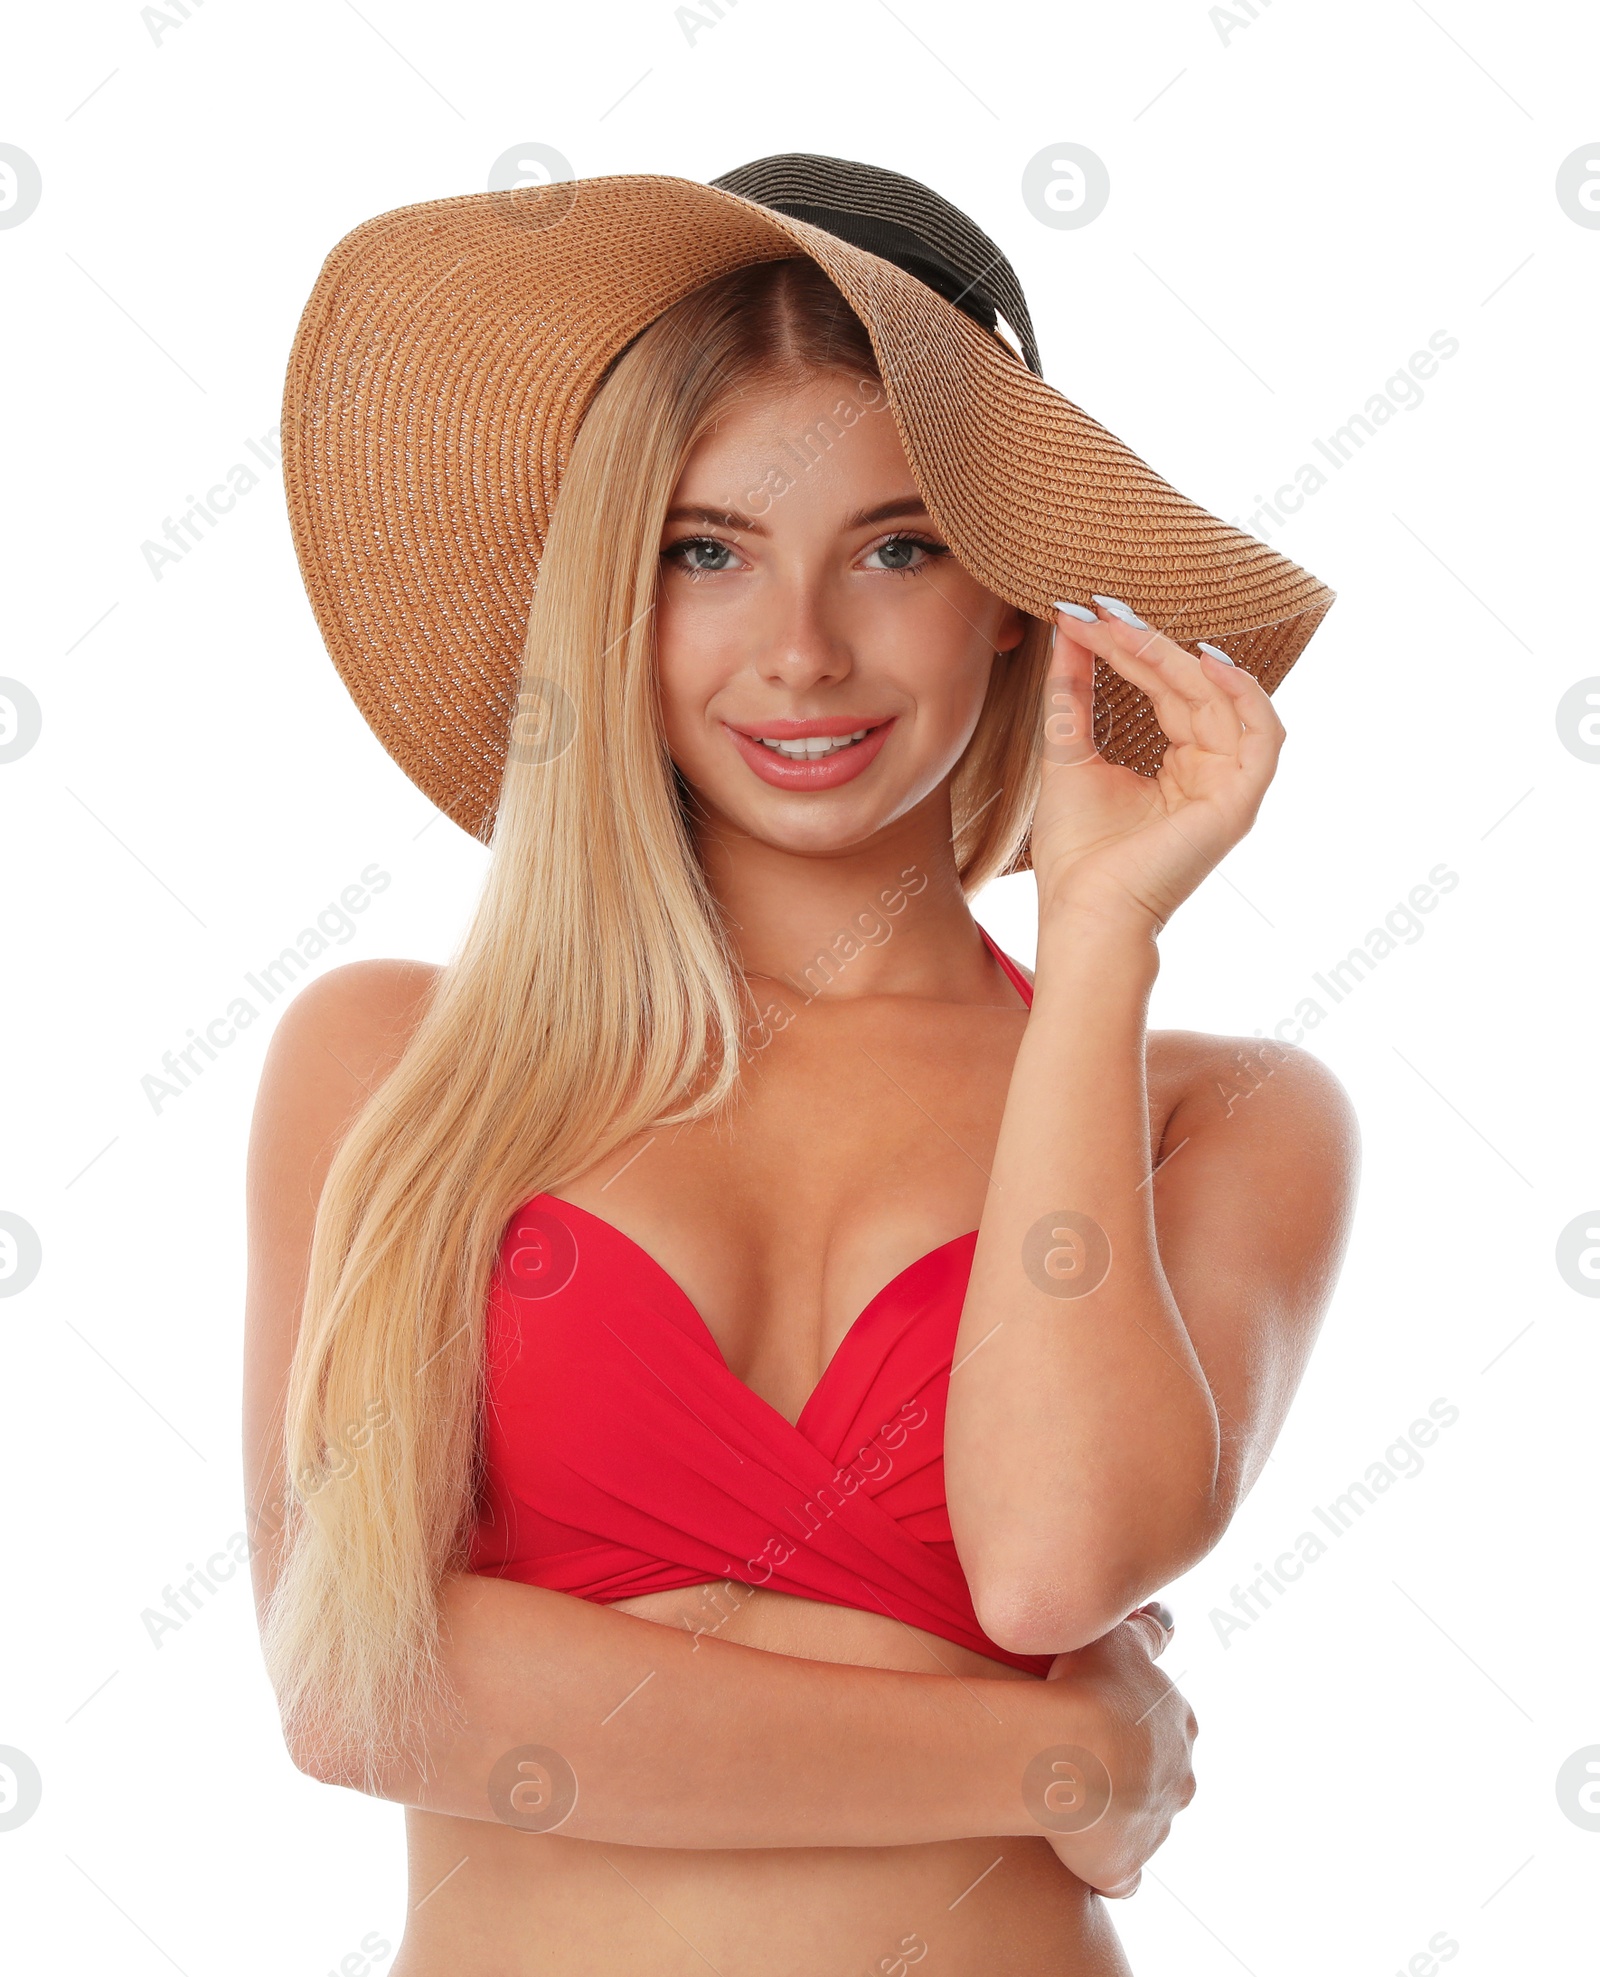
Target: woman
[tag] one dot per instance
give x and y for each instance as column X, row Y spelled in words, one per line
column 611, row 1287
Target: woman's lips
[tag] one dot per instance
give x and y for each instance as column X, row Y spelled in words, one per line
column 827, row 772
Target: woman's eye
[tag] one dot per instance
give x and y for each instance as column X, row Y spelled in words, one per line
column 905, row 552
column 701, row 555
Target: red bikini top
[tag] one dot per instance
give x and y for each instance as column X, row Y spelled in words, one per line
column 622, row 1455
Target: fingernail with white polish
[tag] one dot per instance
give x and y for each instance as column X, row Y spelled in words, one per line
column 1080, row 611
column 1215, row 653
column 1120, row 610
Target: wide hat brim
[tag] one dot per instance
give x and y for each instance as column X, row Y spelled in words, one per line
column 446, row 358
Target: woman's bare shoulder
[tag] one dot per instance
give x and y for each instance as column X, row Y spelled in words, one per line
column 334, row 1044
column 1204, row 1073
column 369, row 1004
column 339, row 1038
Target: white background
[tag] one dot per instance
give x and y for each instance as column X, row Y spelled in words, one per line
column 1298, row 202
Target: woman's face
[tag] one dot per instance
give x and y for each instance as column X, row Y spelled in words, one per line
column 807, row 600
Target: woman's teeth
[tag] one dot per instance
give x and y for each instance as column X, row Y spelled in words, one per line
column 807, row 748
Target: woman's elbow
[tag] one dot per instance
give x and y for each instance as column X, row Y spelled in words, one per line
column 314, row 1758
column 317, row 1752
column 1047, row 1619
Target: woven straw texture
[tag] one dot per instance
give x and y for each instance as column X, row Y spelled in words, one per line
column 449, row 351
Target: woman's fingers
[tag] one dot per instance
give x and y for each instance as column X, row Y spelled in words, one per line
column 1191, row 702
column 1262, row 733
column 1069, row 704
column 1187, row 690
column 1153, row 661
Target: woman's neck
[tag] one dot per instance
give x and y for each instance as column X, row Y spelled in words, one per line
column 884, row 918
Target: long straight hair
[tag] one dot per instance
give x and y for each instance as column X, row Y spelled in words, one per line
column 594, row 995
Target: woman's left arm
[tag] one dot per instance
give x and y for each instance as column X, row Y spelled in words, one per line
column 1131, row 1341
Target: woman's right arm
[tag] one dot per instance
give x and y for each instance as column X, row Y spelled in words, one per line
column 673, row 1740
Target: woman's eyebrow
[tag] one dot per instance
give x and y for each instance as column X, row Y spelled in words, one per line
column 886, row 511
column 729, row 518
column 722, row 518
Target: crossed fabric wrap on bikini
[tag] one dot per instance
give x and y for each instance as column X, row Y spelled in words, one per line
column 623, row 1456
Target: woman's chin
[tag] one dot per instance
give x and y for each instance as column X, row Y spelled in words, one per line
column 808, row 824
column 812, row 837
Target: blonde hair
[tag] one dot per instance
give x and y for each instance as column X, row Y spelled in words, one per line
column 594, row 995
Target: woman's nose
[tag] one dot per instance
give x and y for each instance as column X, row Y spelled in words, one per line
column 803, row 641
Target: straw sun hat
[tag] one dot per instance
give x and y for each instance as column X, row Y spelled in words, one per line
column 449, row 351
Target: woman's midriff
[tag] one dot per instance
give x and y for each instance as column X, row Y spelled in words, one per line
column 491, row 1901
